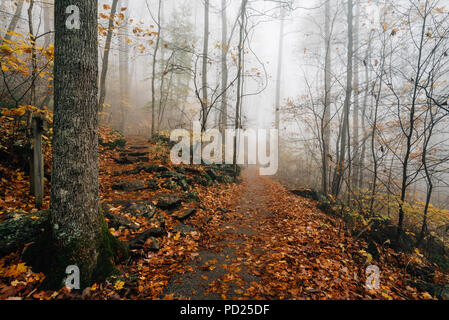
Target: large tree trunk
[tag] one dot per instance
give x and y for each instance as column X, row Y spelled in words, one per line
column 107, row 49
column 341, row 164
column 77, row 234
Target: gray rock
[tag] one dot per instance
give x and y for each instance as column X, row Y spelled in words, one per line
column 159, row 218
column 183, row 229
column 130, row 186
column 193, row 171
column 124, row 160
column 138, row 147
column 152, row 168
column 146, row 210
column 185, row 214
column 155, row 244
column 168, row 202
column 212, row 174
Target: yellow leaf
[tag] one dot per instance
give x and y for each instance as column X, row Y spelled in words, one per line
column 21, row 268
column 178, row 235
column 418, row 252
column 427, row 296
column 386, row 296
column 119, row 285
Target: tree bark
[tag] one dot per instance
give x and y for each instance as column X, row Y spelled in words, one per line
column 107, row 49
column 78, row 234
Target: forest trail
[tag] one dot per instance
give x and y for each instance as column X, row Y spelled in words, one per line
column 272, row 245
column 252, row 240
column 223, row 265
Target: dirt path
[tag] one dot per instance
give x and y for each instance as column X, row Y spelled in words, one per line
column 223, row 273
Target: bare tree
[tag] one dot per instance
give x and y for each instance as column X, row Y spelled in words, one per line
column 106, row 52
column 224, row 66
column 325, row 125
column 341, row 163
column 205, row 102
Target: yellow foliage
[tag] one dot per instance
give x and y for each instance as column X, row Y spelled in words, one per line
column 119, row 285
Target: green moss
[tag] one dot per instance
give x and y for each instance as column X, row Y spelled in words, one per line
column 121, row 143
column 110, row 250
column 192, row 196
column 48, row 256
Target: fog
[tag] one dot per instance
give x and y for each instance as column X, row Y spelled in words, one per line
column 375, row 124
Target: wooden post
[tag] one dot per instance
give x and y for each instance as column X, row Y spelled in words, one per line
column 38, row 161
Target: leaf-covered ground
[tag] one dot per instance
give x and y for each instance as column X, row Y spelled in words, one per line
column 251, row 240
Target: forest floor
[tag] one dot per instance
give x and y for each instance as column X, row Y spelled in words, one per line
column 249, row 240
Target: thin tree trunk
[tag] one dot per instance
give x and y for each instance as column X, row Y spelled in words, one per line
column 33, row 54
column 365, row 108
column 153, row 77
column 162, row 68
column 325, row 130
column 204, row 102
column 279, row 71
column 15, row 19
column 428, row 174
column 107, row 50
column 224, row 67
column 48, row 28
column 355, row 121
column 239, row 81
column 341, row 163
column 373, row 146
column 124, row 70
column 409, row 135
